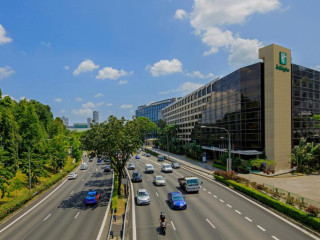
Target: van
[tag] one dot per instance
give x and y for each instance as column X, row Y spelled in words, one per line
column 83, row 166
column 160, row 158
column 149, row 168
column 165, row 167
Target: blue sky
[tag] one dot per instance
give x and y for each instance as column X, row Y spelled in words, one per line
column 112, row 56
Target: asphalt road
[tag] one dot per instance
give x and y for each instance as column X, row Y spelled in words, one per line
column 214, row 213
column 64, row 215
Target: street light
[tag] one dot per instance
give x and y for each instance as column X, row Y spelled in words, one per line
column 229, row 161
column 168, row 145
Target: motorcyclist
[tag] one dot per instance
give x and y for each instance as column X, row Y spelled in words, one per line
column 162, row 218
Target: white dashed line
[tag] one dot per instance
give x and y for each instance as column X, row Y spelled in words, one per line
column 229, row 205
column 275, row 238
column 96, row 169
column 221, row 200
column 71, row 192
column 157, row 194
column 204, row 189
column 210, row 223
column 173, row 225
column 237, row 211
column 261, row 228
column 77, row 215
column 248, row 219
column 148, row 180
column 209, row 192
column 215, row 196
column 47, row 217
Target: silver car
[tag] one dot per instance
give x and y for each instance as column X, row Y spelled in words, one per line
column 143, row 197
column 159, row 181
column 73, row 175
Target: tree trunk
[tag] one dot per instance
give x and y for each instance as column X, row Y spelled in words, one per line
column 119, row 181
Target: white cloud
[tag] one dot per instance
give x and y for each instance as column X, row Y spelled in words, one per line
column 122, row 82
column 66, row 67
column 46, row 44
column 6, row 72
column 317, row 68
column 210, row 17
column 3, row 38
column 126, row 106
column 183, row 89
column 99, row 104
column 62, row 111
column 165, row 67
column 79, row 99
column 5, row 95
column 109, row 104
column 57, row 100
column 198, row 74
column 180, row 14
column 85, row 66
column 98, row 95
column 88, row 105
column 82, row 112
column 112, row 73
column 24, row 98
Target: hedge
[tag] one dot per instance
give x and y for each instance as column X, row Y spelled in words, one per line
column 288, row 210
column 219, row 166
column 151, row 152
column 114, row 199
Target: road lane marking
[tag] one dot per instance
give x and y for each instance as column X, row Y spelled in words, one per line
column 221, row 200
column 47, row 217
column 204, row 189
column 71, row 192
column 209, row 192
column 210, row 223
column 215, row 196
column 157, row 194
column 148, row 180
column 261, row 228
column 229, row 205
column 248, row 219
column 275, row 238
column 173, row 225
column 237, row 212
column 77, row 215
column 96, row 169
column 9, row 225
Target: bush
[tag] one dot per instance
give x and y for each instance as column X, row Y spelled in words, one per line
column 219, row 166
column 114, row 199
column 312, row 210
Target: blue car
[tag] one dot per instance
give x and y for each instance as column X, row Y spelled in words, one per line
column 176, row 200
column 137, row 156
column 92, row 197
column 99, row 160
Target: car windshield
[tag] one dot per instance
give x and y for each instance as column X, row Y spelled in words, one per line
column 142, row 194
column 176, row 164
column 177, row 198
column 135, row 174
column 91, row 195
column 192, row 182
column 149, row 167
column 159, row 178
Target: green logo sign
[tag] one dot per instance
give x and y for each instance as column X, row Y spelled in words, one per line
column 283, row 58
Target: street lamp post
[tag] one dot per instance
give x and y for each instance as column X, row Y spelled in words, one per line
column 229, row 161
column 168, row 145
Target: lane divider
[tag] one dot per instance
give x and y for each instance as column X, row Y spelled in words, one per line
column 210, row 223
column 248, row 219
column 173, row 226
column 47, row 217
column 237, row 211
column 77, row 215
column 261, row 228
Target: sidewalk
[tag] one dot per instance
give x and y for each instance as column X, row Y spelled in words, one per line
column 305, row 186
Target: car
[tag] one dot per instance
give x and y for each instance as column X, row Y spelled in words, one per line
column 148, row 155
column 149, row 168
column 99, row 160
column 160, row 158
column 143, row 197
column 90, row 159
column 165, row 167
column 143, row 153
column 92, row 197
column 107, row 160
column 106, row 169
column 131, row 166
column 72, row 175
column 136, row 177
column 159, row 180
column 137, row 156
column 176, row 200
column 175, row 165
column 83, row 166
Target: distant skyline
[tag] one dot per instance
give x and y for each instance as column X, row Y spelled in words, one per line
column 111, row 57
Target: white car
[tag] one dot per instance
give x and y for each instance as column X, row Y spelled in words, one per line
column 83, row 166
column 159, row 180
column 131, row 166
column 143, row 197
column 165, row 167
column 72, row 175
column 149, row 168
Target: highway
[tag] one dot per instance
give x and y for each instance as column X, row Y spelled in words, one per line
column 63, row 214
column 215, row 212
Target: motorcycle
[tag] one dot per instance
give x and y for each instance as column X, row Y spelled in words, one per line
column 163, row 227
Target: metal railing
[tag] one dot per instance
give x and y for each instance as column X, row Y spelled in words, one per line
column 123, row 233
column 110, row 201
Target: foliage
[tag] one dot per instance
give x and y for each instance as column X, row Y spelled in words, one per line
column 115, row 196
column 312, row 210
column 219, row 166
column 193, row 150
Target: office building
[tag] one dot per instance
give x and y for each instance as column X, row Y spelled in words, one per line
column 266, row 107
column 95, row 117
column 153, row 110
column 89, row 121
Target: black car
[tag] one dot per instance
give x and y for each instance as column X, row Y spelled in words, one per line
column 136, row 177
column 175, row 165
column 106, row 169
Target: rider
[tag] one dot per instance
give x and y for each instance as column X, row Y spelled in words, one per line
column 162, row 218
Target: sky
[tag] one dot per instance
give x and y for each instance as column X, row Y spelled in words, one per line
column 80, row 56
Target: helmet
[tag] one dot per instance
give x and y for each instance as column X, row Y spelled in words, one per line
column 162, row 214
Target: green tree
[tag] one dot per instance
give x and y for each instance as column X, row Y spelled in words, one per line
column 58, row 151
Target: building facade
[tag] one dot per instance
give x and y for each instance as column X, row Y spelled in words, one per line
column 153, row 110
column 89, row 121
column 95, row 117
column 266, row 107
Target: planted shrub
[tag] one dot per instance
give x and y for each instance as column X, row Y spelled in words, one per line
column 312, row 210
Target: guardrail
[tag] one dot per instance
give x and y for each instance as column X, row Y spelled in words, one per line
column 110, row 225
column 109, row 231
column 123, row 231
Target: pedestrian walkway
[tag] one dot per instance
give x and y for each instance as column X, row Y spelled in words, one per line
column 307, row 186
